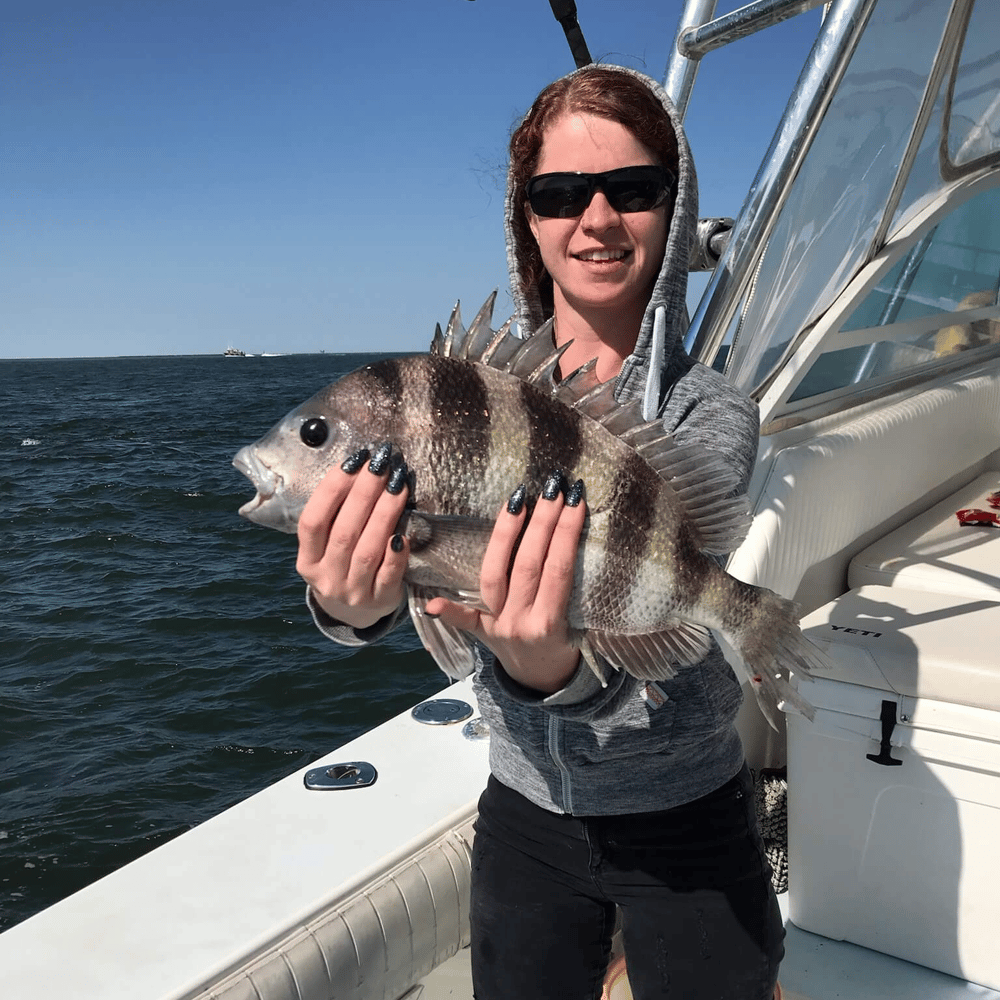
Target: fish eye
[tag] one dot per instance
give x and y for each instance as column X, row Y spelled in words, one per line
column 314, row 432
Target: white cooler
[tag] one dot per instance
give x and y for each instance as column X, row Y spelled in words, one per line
column 894, row 789
column 935, row 552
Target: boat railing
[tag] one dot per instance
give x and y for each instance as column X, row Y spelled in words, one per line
column 701, row 32
column 835, row 44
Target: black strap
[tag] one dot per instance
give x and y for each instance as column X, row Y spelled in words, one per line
column 565, row 13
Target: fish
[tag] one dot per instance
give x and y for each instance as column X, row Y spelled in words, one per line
column 484, row 411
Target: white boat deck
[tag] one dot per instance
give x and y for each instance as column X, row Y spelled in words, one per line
column 815, row 968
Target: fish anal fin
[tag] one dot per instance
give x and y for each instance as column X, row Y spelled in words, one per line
column 654, row 656
column 453, row 651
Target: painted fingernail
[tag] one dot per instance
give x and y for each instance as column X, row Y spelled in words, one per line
column 397, row 479
column 352, row 463
column 380, row 459
column 516, row 502
column 396, row 543
column 553, row 485
column 574, row 494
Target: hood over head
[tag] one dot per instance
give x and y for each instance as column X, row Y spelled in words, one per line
column 670, row 290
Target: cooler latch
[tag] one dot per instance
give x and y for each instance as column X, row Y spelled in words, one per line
column 888, row 719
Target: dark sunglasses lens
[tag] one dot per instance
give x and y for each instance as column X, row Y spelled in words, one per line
column 635, row 193
column 558, row 196
column 630, row 189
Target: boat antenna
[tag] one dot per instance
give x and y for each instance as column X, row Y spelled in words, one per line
column 565, row 14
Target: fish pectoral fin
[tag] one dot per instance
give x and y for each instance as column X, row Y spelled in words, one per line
column 453, row 651
column 446, row 554
column 427, row 531
column 654, row 656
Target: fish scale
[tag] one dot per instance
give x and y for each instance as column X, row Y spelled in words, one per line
column 483, row 412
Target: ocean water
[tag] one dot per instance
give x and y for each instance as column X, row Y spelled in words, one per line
column 157, row 661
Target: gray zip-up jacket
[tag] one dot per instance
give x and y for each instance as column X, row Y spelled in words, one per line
column 625, row 748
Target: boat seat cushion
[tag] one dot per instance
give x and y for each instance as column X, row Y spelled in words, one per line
column 824, row 499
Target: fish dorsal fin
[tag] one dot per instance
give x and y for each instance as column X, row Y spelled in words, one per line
column 533, row 360
column 449, row 343
column 703, row 483
column 700, row 478
column 455, row 330
column 578, row 384
column 479, row 334
column 536, row 361
column 502, row 336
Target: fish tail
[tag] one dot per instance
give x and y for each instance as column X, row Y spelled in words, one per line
column 772, row 646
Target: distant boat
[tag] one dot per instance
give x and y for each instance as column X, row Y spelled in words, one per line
column 235, row 352
column 273, row 354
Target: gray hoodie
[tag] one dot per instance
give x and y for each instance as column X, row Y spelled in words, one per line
column 625, row 748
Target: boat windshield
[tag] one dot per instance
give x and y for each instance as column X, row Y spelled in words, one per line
column 882, row 253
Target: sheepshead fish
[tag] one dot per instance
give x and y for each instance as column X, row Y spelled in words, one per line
column 481, row 413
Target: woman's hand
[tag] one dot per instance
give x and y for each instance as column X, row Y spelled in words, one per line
column 349, row 552
column 527, row 625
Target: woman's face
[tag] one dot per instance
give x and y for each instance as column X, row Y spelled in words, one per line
column 602, row 259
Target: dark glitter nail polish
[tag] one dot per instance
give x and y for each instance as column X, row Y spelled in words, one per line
column 352, row 463
column 380, row 459
column 516, row 502
column 553, row 485
column 574, row 494
column 396, row 543
column 397, row 479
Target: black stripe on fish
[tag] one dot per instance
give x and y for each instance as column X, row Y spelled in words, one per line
column 459, row 401
column 390, row 382
column 632, row 504
column 555, row 434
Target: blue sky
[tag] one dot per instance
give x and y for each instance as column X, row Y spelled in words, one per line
column 305, row 175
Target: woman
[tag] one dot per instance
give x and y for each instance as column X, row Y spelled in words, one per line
column 600, row 796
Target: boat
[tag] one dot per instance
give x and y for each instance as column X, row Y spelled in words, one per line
column 854, row 296
column 235, row 352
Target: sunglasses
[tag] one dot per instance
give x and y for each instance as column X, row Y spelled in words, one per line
column 628, row 189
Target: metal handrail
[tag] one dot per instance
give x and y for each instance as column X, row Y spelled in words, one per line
column 818, row 82
column 700, row 32
column 678, row 80
column 695, row 42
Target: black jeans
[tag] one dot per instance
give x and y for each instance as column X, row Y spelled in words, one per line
column 700, row 919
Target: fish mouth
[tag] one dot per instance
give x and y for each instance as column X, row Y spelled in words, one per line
column 264, row 479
